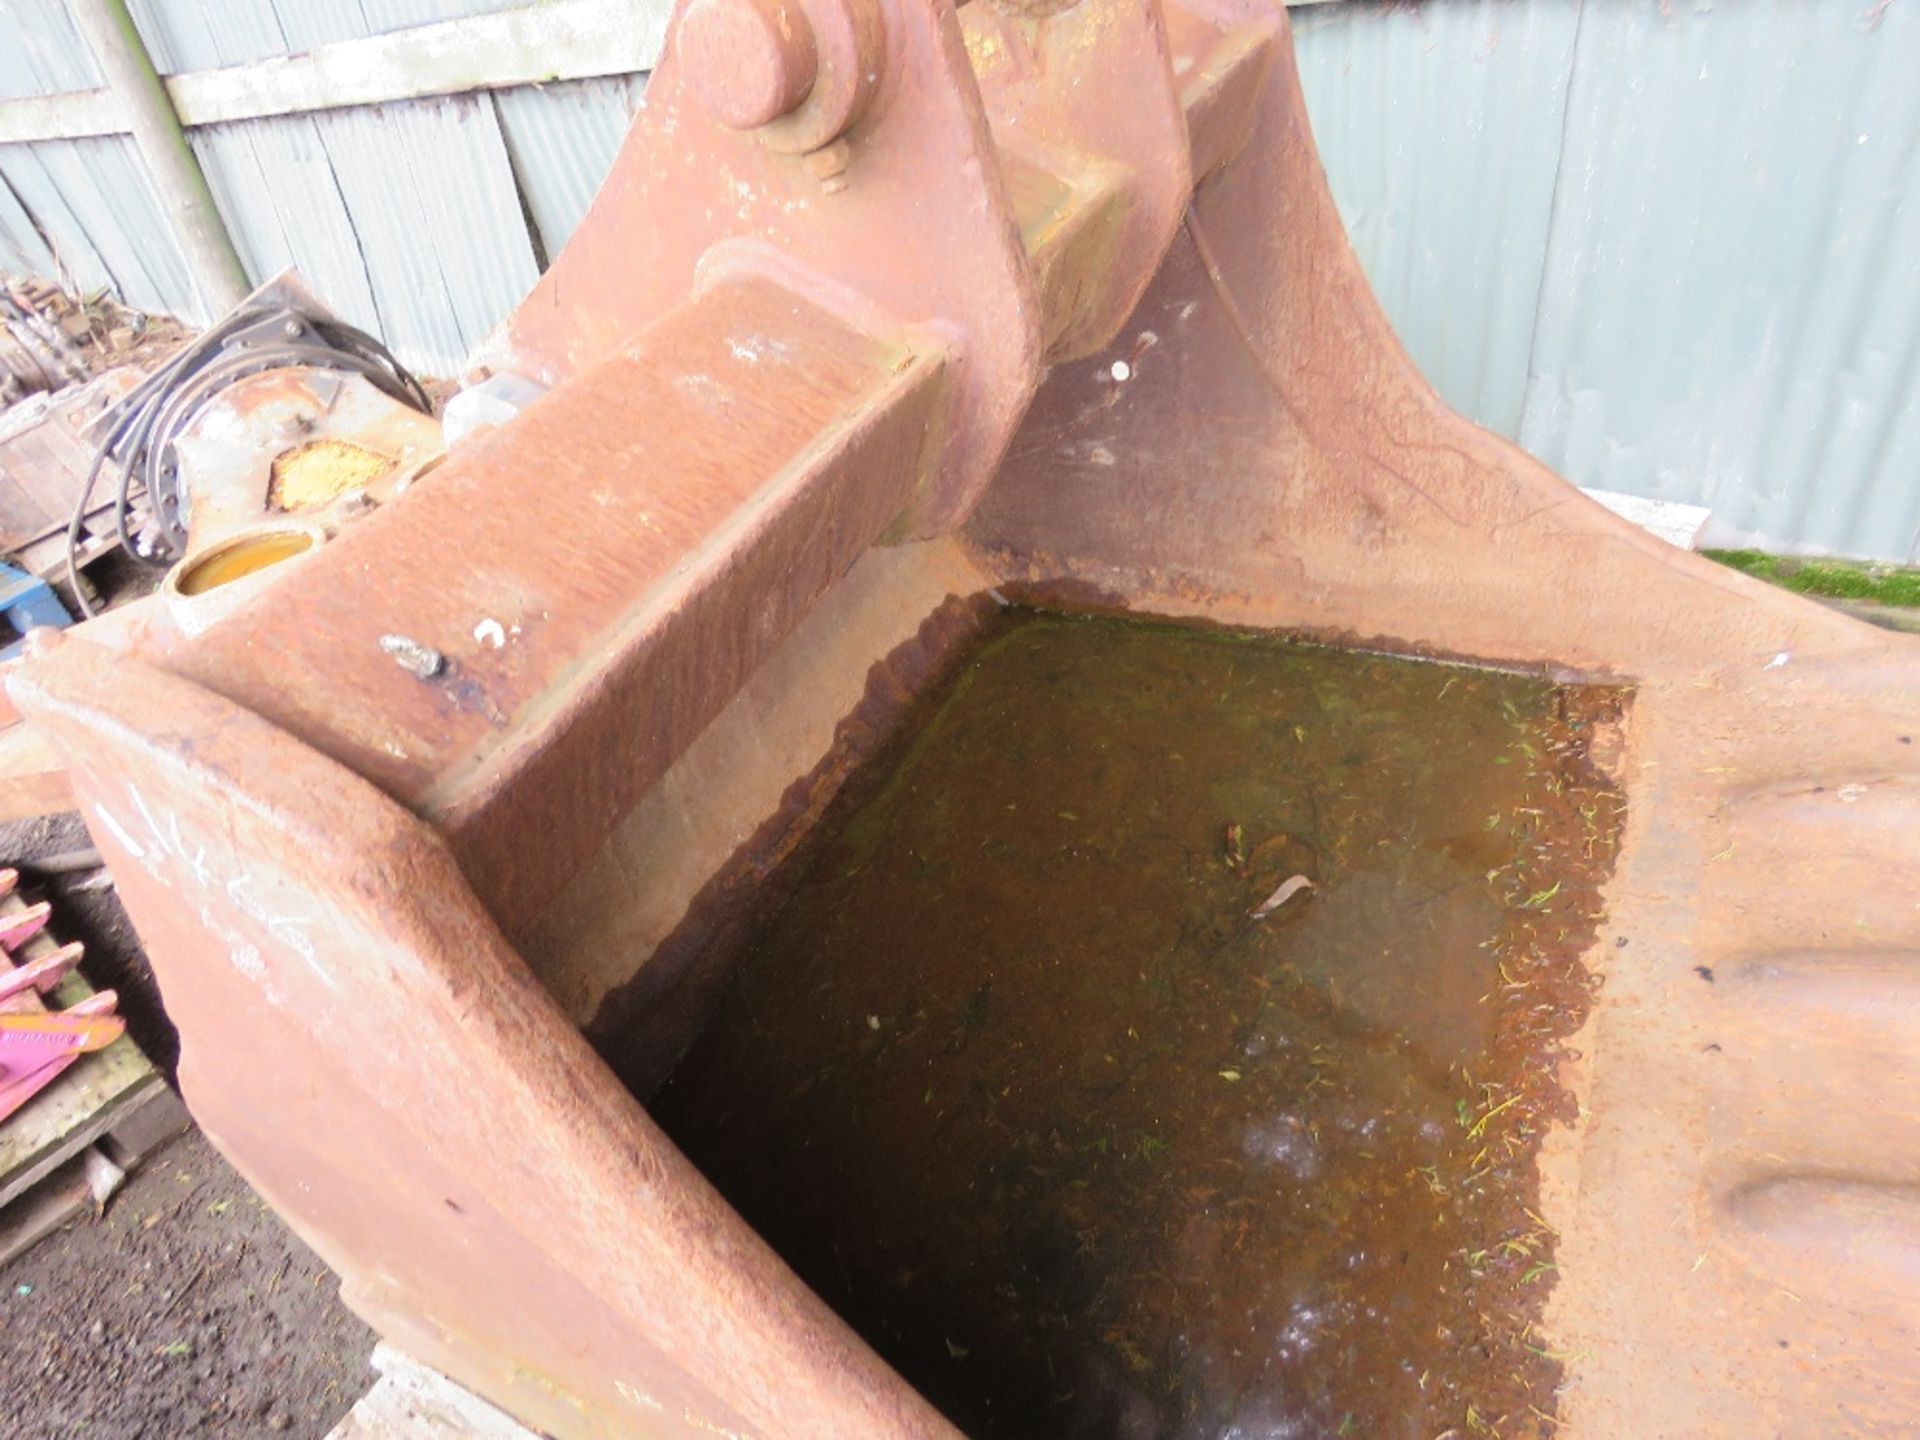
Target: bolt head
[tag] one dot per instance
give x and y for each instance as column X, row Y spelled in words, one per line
column 749, row 61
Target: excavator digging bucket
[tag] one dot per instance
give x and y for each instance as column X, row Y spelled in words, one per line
column 451, row 836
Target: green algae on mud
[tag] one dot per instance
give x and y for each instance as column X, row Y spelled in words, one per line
column 1019, row 1080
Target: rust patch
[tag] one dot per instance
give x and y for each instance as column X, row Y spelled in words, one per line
column 642, row 1027
column 1045, row 590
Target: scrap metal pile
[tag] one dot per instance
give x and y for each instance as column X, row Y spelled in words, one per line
column 63, row 361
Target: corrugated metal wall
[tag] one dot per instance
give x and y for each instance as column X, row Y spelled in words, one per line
column 406, row 217
column 424, row 221
column 1676, row 255
column 90, row 196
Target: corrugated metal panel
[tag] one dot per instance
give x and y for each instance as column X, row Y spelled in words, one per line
column 204, row 34
column 1692, row 241
column 89, row 196
column 22, row 252
column 563, row 138
column 75, row 260
column 321, row 22
column 405, row 218
column 92, row 198
column 409, row 219
column 1732, row 313
column 433, row 201
column 198, row 35
column 42, row 53
column 274, row 183
column 387, row 15
column 1454, row 249
column 1675, row 255
column 106, row 190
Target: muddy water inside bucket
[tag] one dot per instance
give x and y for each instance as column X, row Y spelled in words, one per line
column 1018, row 1078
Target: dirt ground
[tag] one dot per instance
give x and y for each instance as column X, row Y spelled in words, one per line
column 187, row 1311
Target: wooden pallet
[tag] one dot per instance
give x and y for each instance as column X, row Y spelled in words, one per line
column 46, row 448
column 69, row 1146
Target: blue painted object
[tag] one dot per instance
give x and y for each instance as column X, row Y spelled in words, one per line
column 27, row 601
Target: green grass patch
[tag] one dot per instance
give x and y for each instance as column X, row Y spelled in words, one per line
column 1838, row 579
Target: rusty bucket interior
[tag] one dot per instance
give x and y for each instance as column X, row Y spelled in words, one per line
column 1000, row 377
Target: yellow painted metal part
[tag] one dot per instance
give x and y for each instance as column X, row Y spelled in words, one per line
column 319, row 471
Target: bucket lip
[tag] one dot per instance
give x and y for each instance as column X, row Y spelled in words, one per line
column 176, row 590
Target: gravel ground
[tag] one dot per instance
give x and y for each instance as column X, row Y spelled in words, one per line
column 187, row 1310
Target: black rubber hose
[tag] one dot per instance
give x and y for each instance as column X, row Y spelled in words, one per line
column 140, row 440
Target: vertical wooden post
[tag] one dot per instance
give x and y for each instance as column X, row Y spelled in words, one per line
column 148, row 111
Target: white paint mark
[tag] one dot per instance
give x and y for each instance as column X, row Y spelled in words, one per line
column 287, row 929
column 1850, row 793
column 690, row 1416
column 237, row 891
column 490, row 633
column 1781, row 659
column 638, row 1396
column 196, row 862
column 745, row 353
column 246, row 959
column 697, row 382
column 153, row 825
column 132, row 846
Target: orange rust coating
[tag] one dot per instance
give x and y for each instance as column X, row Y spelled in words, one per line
column 684, row 185
column 1739, row 1209
column 750, row 60
column 1088, row 55
column 640, row 539
column 486, row 1187
column 685, row 188
column 323, row 850
column 849, row 47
